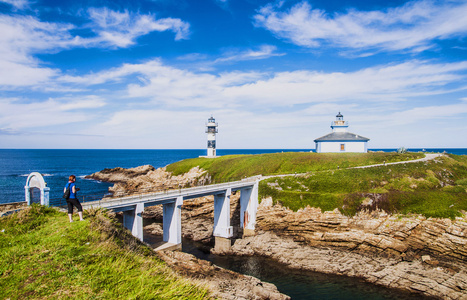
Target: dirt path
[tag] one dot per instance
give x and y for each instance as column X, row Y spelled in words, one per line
column 426, row 158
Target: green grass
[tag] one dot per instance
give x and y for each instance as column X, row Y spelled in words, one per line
column 433, row 189
column 43, row 256
column 235, row 167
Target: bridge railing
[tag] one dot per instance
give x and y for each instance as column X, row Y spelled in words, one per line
column 61, row 202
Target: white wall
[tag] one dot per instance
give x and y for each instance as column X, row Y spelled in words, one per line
column 361, row 147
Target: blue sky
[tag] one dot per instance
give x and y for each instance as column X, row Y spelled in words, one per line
column 148, row 74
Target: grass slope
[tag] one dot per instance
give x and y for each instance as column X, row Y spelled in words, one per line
column 235, row 167
column 434, row 189
column 43, row 256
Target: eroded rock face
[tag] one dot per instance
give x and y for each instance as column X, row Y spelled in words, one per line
column 411, row 253
column 7, row 208
column 147, row 178
column 377, row 232
column 224, row 284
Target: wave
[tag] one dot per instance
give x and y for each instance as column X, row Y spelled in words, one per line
column 43, row 175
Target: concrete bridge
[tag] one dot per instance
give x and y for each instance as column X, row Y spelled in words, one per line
column 172, row 200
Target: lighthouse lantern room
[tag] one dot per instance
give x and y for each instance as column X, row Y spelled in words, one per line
column 211, row 130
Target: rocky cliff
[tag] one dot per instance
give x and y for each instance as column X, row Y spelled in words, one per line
column 413, row 253
column 421, row 255
column 147, row 178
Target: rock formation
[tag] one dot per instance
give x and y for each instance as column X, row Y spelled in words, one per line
column 413, row 253
column 147, row 179
column 224, row 284
column 8, row 208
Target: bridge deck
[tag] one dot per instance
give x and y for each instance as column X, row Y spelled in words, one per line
column 163, row 197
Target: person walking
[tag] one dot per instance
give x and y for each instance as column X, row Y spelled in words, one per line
column 72, row 200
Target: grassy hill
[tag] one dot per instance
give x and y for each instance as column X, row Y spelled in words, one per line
column 43, row 256
column 235, row 167
column 435, row 189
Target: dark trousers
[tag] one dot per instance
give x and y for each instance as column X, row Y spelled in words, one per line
column 73, row 202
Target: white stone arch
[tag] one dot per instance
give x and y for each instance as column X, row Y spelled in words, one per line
column 35, row 180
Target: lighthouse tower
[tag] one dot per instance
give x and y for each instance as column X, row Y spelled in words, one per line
column 211, row 130
column 339, row 125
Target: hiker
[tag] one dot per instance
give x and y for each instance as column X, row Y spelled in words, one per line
column 72, row 199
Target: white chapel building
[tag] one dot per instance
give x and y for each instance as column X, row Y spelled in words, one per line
column 340, row 140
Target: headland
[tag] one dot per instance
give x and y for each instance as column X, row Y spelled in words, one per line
column 397, row 225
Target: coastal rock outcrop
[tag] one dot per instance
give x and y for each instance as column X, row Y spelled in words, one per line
column 412, row 253
column 405, row 237
column 147, row 179
column 8, row 208
column 224, row 284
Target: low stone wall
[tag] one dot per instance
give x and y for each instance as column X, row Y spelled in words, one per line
column 7, row 208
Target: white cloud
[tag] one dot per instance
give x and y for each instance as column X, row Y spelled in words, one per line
column 18, row 4
column 120, row 29
column 426, row 113
column 175, row 87
column 414, row 26
column 381, row 83
column 264, row 51
column 21, row 37
column 25, row 36
column 17, row 114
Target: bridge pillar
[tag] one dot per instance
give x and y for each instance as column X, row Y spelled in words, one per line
column 172, row 221
column 248, row 208
column 222, row 226
column 133, row 220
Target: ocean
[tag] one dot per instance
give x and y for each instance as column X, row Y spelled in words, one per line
column 57, row 165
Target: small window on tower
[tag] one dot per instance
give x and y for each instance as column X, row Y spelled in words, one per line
column 342, row 147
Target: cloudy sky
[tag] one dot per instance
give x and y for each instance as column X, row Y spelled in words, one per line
column 147, row 74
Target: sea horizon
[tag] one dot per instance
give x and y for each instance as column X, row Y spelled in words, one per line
column 57, row 164
column 221, row 149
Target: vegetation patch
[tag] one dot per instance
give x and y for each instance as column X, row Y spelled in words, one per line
column 43, row 256
column 434, row 189
column 235, row 167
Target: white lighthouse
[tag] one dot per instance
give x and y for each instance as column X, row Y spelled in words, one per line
column 211, row 130
column 340, row 140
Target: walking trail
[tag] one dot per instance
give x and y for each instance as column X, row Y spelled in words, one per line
column 428, row 156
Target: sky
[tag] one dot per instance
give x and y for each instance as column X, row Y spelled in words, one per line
column 147, row 74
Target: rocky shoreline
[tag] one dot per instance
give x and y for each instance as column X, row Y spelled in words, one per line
column 424, row 256
column 223, row 283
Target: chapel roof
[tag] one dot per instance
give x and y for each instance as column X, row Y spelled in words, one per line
column 341, row 136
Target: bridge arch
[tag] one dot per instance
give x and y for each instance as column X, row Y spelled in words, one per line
column 35, row 180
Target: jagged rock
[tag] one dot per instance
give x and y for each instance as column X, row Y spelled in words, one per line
column 8, row 208
column 120, row 174
column 224, row 284
column 380, row 248
column 147, row 179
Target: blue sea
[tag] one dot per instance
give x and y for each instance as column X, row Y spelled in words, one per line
column 57, row 165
